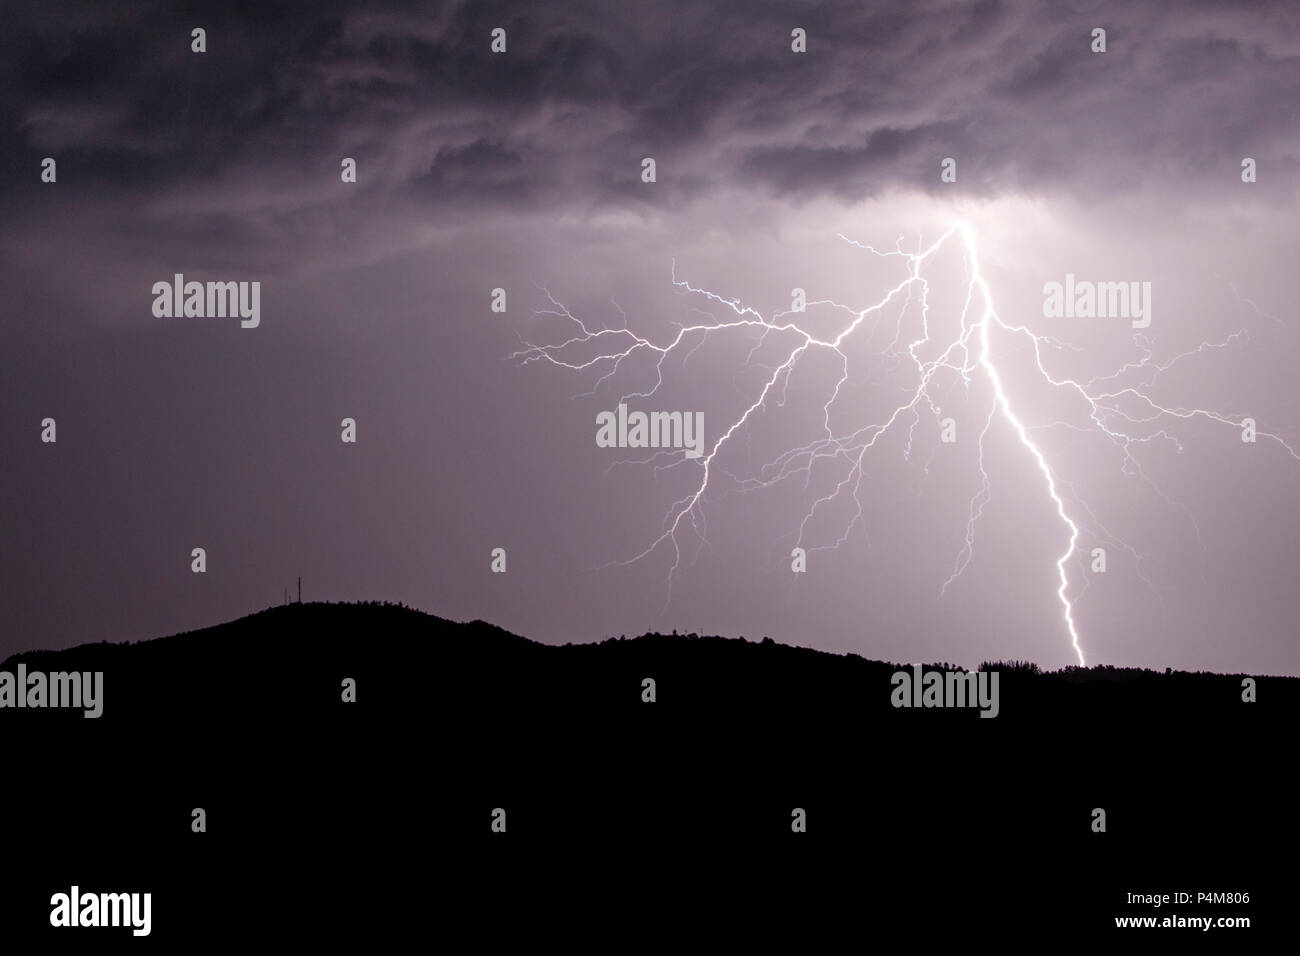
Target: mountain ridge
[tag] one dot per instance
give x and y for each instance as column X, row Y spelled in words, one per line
column 482, row 628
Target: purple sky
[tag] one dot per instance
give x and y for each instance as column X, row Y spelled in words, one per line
column 522, row 171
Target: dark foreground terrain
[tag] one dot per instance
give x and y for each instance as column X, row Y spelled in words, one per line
column 629, row 823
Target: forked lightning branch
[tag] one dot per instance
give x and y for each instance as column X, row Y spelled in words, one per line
column 1126, row 415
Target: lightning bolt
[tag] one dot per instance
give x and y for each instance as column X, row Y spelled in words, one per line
column 1125, row 414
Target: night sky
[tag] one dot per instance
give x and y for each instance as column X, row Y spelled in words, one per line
column 522, row 170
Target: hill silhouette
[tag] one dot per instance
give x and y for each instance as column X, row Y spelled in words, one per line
column 398, row 655
column 934, row 810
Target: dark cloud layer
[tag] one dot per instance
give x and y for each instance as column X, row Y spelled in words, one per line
column 586, row 89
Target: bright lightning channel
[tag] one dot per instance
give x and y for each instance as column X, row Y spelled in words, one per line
column 969, row 354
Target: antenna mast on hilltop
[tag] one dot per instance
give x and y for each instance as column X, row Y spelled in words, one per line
column 300, row 589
